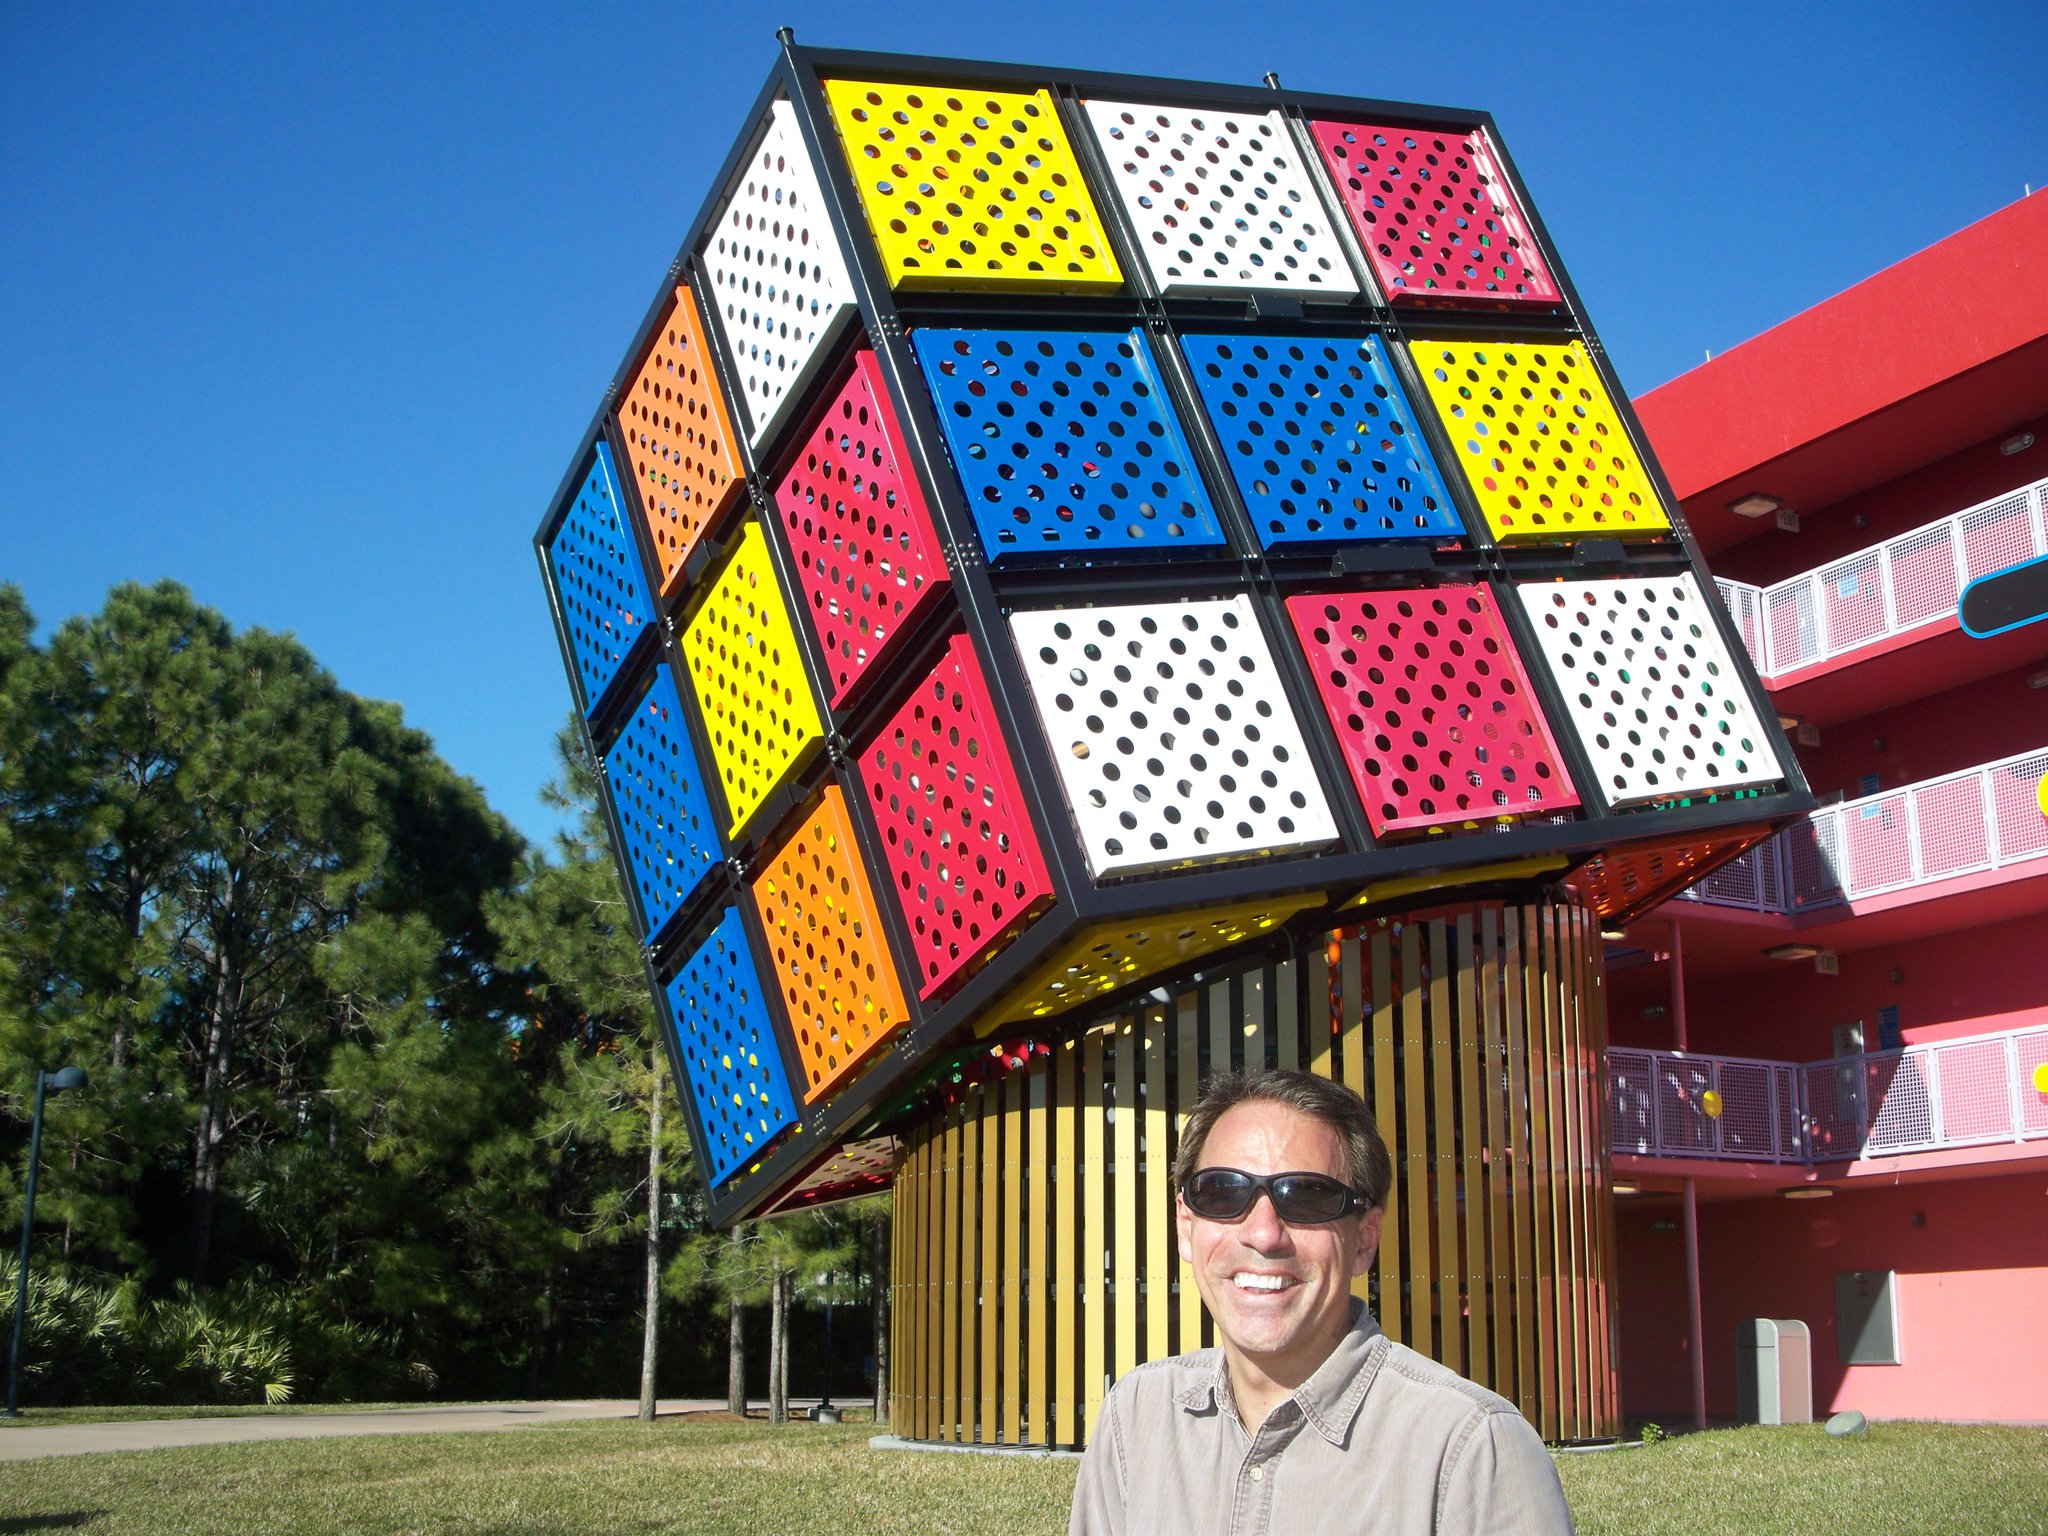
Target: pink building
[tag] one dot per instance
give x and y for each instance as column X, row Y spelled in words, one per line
column 1866, row 996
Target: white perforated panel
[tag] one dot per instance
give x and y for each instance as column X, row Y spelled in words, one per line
column 1222, row 201
column 1173, row 736
column 1652, row 693
column 778, row 280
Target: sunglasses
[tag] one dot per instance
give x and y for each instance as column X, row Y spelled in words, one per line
column 1225, row 1194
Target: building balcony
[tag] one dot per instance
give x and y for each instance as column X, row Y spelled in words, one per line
column 1815, row 636
column 1953, row 1095
column 1968, row 826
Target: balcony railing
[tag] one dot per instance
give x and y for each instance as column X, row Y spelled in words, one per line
column 1972, row 1092
column 1963, row 823
column 1887, row 589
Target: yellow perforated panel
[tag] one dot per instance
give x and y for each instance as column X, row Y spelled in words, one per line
column 743, row 663
column 826, row 949
column 1109, row 955
column 971, row 189
column 1539, row 440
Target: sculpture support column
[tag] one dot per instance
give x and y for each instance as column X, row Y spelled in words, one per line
column 1035, row 1257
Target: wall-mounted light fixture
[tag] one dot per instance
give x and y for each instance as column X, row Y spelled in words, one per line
column 1808, row 1192
column 2019, row 442
column 1792, row 952
column 1755, row 504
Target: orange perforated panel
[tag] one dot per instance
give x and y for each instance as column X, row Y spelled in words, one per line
column 679, row 438
column 1624, row 883
column 826, row 948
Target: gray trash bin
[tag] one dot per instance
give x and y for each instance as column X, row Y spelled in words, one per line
column 1773, row 1371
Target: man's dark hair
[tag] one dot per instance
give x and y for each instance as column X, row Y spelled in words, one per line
column 1338, row 1107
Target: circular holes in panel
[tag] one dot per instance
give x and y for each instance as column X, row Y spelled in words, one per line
column 599, row 582
column 1431, row 706
column 1539, row 440
column 1181, row 749
column 1064, row 441
column 1434, row 214
column 730, row 1057
column 665, row 822
column 1221, row 202
column 1321, row 440
column 1653, row 695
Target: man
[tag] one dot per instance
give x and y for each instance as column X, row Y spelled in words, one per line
column 1308, row 1419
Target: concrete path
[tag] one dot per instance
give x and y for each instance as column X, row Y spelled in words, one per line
column 23, row 1442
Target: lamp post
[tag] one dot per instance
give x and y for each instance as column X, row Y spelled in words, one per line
column 63, row 1080
column 825, row 1413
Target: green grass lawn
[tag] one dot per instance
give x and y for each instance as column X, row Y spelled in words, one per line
column 603, row 1478
column 125, row 1412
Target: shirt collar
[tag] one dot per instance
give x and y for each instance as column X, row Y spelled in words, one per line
column 1330, row 1398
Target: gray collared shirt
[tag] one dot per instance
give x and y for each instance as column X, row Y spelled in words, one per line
column 1394, row 1442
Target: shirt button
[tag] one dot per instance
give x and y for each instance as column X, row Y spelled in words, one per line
column 1258, row 1474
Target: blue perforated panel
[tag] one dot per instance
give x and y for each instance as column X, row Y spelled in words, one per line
column 728, row 1050
column 665, row 822
column 1065, row 442
column 597, row 572
column 1321, row 439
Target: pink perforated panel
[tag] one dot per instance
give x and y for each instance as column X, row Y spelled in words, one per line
column 1433, row 708
column 867, row 556
column 964, row 862
column 1435, row 214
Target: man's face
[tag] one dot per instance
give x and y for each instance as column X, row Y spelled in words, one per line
column 1280, row 1294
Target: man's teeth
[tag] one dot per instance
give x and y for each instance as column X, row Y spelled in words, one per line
column 1250, row 1282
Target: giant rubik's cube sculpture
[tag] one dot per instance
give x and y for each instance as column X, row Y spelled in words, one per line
column 1054, row 529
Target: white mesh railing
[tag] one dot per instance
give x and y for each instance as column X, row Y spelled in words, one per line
column 1659, row 1102
column 1955, row 1093
column 1887, row 589
column 1959, row 824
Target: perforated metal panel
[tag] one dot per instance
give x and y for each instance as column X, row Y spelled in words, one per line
column 598, row 579
column 1654, row 697
column 1321, row 439
column 855, row 1169
column 1430, row 703
column 667, row 831
column 867, row 556
column 750, row 685
column 1622, row 882
column 969, row 188
column 1107, row 956
column 778, row 278
column 828, row 956
column 1435, row 214
column 1222, row 201
column 1539, row 440
column 729, row 1053
column 963, row 858
column 679, row 439
column 1064, row 440
column 1173, row 735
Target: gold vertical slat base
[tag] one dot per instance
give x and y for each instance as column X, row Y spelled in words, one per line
column 1476, row 1032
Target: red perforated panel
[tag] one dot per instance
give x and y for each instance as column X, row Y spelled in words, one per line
column 1622, row 883
column 1435, row 214
column 867, row 556
column 963, row 859
column 1431, row 703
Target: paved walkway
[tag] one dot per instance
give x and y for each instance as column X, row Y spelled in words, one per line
column 23, row 1442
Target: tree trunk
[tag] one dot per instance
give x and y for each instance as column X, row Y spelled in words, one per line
column 778, row 1348
column 536, row 1366
column 650, row 1337
column 878, row 1280
column 735, row 1342
column 222, row 1014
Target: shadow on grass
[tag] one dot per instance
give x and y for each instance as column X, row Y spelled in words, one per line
column 76, row 1517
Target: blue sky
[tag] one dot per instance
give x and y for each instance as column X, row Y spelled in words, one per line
column 306, row 305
